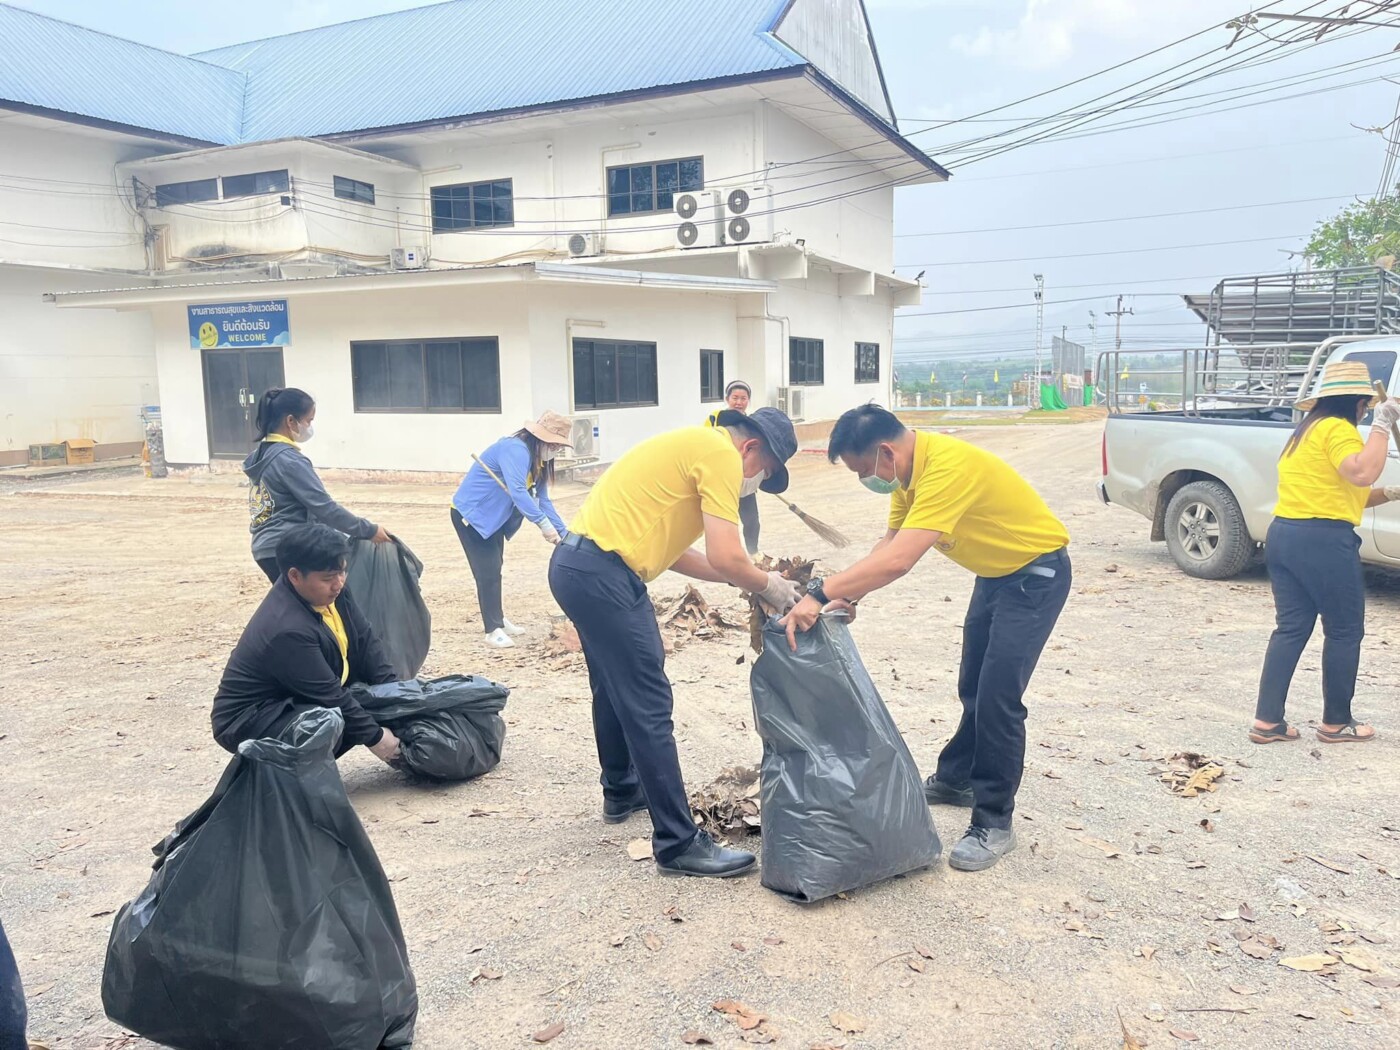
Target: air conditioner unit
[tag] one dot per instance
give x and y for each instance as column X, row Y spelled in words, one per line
column 748, row 215
column 408, row 258
column 584, row 245
column 584, row 436
column 702, row 219
column 792, row 402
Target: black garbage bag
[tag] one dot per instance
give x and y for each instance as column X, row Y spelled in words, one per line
column 842, row 803
column 268, row 922
column 383, row 579
column 448, row 728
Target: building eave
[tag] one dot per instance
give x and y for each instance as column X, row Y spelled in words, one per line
column 79, row 119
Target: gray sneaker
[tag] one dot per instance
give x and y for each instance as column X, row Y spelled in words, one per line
column 980, row 848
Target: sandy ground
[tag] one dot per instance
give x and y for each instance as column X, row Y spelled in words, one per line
column 121, row 597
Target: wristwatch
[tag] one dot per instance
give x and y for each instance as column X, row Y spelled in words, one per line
column 814, row 588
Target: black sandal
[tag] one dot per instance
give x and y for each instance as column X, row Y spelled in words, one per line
column 1346, row 735
column 1281, row 733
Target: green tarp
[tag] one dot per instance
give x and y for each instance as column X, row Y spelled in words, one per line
column 1050, row 399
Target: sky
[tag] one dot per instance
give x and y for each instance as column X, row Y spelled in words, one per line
column 1234, row 191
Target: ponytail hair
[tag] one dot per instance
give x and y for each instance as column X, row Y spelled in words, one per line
column 279, row 403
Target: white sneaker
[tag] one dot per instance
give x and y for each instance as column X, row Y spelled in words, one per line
column 511, row 629
column 500, row 639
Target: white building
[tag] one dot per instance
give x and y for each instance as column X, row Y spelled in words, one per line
column 443, row 221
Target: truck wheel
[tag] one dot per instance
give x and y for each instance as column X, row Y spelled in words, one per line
column 1206, row 533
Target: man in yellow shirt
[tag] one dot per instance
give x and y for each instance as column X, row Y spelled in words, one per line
column 973, row 508
column 639, row 521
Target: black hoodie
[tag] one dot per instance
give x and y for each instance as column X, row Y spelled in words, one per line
column 284, row 491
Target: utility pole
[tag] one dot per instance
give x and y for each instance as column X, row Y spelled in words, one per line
column 1033, row 395
column 1117, row 316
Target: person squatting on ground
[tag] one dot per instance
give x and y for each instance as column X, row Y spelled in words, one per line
column 306, row 642
column 737, row 396
column 1312, row 550
column 975, row 509
column 507, row 487
column 283, row 488
column 639, row 521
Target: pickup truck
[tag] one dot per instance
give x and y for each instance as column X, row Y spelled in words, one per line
column 1206, row 475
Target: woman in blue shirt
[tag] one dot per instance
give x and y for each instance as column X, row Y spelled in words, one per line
column 485, row 515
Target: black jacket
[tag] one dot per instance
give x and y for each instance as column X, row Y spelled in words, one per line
column 283, row 491
column 288, row 658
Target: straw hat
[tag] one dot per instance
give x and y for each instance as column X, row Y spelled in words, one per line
column 1340, row 379
column 552, row 429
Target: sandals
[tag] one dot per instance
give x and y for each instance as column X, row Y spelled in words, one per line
column 1346, row 735
column 1281, row 733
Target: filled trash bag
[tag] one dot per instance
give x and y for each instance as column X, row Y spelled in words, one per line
column 383, row 580
column 842, row 804
column 448, row 728
column 268, row 922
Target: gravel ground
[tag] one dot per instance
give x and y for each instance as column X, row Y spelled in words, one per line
column 121, row 597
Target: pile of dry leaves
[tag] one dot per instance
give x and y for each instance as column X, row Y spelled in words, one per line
column 1188, row 773
column 689, row 616
column 797, row 569
column 729, row 806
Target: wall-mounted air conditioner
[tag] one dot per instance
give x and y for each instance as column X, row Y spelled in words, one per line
column 584, row 436
column 583, row 245
column 792, row 402
column 748, row 215
column 414, row 258
column 702, row 219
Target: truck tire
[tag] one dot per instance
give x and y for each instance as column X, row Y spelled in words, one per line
column 1206, row 532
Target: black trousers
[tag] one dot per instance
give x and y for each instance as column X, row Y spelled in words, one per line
column 1315, row 570
column 748, row 518
column 13, row 1012
column 486, row 556
column 632, row 701
column 1008, row 623
column 269, row 568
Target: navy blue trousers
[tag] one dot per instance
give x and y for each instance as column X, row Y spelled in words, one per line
column 1315, row 570
column 1008, row 623
column 13, row 1014
column 632, row 701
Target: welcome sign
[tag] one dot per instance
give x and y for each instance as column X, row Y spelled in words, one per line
column 239, row 325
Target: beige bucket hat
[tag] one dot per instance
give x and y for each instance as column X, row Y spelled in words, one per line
column 1340, row 378
column 554, row 429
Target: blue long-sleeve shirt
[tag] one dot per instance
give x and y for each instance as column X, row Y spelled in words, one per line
column 486, row 508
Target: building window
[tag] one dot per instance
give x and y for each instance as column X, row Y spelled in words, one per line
column 867, row 362
column 473, row 206
column 643, row 188
column 434, row 375
column 256, row 182
column 613, row 375
column 354, row 190
column 187, row 192
column 806, row 362
column 711, row 375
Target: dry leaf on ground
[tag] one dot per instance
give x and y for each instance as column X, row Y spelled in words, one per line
column 639, row 849
column 773, row 941
column 1188, row 773
column 1130, row 1041
column 1108, row 848
column 846, row 1022
column 544, row 1035
column 1360, row 960
column 652, row 941
column 1382, row 980
column 1259, row 947
column 563, row 640
column 923, row 951
column 694, row 1038
column 745, row 1016
column 1184, row 1036
column 729, row 805
column 918, row 965
column 618, row 940
column 1309, row 963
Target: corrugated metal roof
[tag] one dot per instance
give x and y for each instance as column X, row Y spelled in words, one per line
column 55, row 65
column 468, row 57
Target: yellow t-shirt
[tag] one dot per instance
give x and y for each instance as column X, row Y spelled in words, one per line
column 648, row 506
column 991, row 519
column 1309, row 485
column 331, row 615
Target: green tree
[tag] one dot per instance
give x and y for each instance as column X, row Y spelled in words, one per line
column 1358, row 235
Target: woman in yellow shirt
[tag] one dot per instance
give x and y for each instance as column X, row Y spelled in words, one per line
column 1324, row 479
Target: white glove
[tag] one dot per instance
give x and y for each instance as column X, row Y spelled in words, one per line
column 1387, row 415
column 1392, row 493
column 548, row 531
column 780, row 594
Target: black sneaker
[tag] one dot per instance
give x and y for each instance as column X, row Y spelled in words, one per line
column 708, row 860
column 980, row 848
column 615, row 812
column 937, row 793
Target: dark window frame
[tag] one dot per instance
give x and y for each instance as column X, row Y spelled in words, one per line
column 624, row 194
column 609, row 355
column 348, row 189
column 360, row 366
column 711, row 382
column 462, row 201
column 179, row 192
column 870, row 375
column 806, row 357
column 278, row 180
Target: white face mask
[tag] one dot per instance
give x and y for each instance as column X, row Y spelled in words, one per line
column 548, row 454
column 303, row 435
column 749, row 486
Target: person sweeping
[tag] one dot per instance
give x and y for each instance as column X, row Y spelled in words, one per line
column 737, row 396
column 507, row 486
column 1313, row 550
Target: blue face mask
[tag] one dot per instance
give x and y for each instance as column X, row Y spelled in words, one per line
column 879, row 485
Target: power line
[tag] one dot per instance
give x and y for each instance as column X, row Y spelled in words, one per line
column 1091, row 255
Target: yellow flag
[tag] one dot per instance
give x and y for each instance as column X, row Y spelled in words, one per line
column 933, row 377
column 1125, row 373
column 996, row 375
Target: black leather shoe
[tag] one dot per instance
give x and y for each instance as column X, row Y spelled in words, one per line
column 704, row 859
column 937, row 793
column 615, row 812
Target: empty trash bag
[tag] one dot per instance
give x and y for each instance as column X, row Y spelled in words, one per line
column 448, row 728
column 268, row 922
column 383, row 579
column 842, row 803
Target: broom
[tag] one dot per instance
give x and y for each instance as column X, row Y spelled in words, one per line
column 826, row 532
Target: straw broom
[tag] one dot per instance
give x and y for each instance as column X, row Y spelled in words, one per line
column 830, row 534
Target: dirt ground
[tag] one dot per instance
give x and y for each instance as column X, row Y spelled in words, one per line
column 121, row 597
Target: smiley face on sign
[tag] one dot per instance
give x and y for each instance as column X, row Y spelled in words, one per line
column 208, row 335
